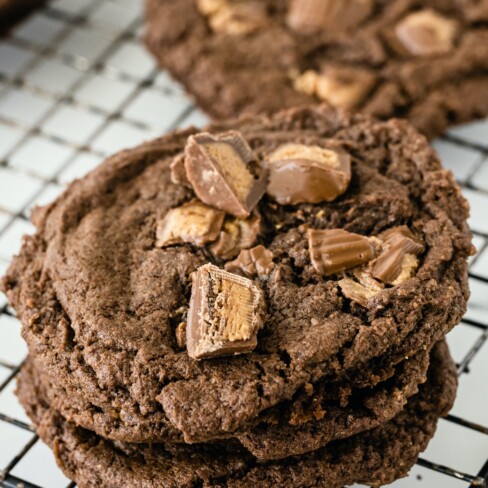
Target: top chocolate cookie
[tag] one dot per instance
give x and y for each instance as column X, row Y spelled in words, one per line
column 192, row 283
column 425, row 61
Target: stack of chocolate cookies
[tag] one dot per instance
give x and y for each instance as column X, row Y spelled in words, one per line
column 263, row 303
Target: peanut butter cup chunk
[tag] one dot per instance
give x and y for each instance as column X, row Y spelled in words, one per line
column 427, row 33
column 236, row 234
column 218, row 167
column 307, row 174
column 397, row 260
column 358, row 292
column 341, row 86
column 233, row 18
column 225, row 314
column 193, row 222
column 239, row 19
column 335, row 250
column 257, row 261
column 312, row 16
column 178, row 171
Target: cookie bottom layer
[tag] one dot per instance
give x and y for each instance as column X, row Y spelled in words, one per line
column 375, row 457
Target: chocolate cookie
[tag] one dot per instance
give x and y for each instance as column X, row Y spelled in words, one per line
column 375, row 458
column 306, row 292
column 13, row 10
column 426, row 61
column 318, row 415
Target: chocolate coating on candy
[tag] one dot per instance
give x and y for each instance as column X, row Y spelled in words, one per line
column 402, row 234
column 335, row 250
column 193, row 222
column 307, row 174
column 314, row 16
column 257, row 261
column 218, row 169
column 397, row 260
column 178, row 171
column 226, row 312
column 427, row 33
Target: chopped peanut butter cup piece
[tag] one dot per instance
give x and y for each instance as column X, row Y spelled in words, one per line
column 180, row 334
column 361, row 287
column 427, row 33
column 193, row 222
column 342, row 87
column 389, row 264
column 306, row 82
column 397, row 262
column 307, row 174
column 218, row 169
column 405, row 236
column 236, row 234
column 356, row 291
column 225, row 315
column 237, row 19
column 315, row 16
column 335, row 250
column 257, row 261
column 209, row 7
column 178, row 171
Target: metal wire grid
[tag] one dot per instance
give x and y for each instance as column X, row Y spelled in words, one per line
column 75, row 86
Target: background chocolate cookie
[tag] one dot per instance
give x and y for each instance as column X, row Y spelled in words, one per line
column 12, row 10
column 425, row 61
column 377, row 457
column 103, row 288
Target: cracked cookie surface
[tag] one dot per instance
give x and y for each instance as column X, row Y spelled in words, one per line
column 101, row 303
column 374, row 458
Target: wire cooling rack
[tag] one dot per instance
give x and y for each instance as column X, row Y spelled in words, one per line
column 76, row 86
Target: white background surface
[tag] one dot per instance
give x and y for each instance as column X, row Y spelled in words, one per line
column 75, row 86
